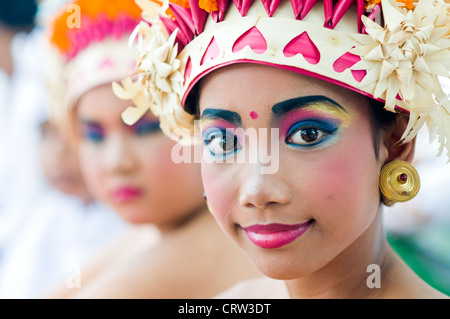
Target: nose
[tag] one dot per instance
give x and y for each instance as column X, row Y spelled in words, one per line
column 263, row 190
column 119, row 155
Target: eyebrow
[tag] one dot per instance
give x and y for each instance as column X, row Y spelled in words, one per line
column 284, row 107
column 88, row 122
column 216, row 114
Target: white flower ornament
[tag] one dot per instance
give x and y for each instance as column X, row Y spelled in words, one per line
column 403, row 61
column 159, row 83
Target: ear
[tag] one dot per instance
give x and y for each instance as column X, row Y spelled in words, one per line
column 397, row 149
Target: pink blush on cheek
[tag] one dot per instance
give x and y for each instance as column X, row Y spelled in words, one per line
column 217, row 195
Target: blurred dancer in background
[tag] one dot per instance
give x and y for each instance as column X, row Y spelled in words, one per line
column 49, row 222
column 130, row 168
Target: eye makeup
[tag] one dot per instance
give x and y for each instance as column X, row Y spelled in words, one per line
column 220, row 137
column 92, row 132
column 145, row 126
column 310, row 121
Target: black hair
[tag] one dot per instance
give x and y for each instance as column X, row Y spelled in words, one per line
column 18, row 14
column 381, row 119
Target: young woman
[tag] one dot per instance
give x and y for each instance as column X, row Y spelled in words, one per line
column 130, row 169
column 298, row 154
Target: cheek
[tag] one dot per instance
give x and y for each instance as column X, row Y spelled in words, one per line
column 155, row 161
column 346, row 183
column 219, row 188
column 90, row 165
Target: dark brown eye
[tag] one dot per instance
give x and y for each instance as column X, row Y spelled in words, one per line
column 309, row 134
column 306, row 136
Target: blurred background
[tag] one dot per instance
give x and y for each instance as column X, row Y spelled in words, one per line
column 49, row 223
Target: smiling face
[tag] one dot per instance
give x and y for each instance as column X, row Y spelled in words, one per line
column 130, row 167
column 324, row 194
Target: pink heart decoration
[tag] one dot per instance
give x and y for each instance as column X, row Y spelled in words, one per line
column 187, row 70
column 346, row 61
column 211, row 52
column 302, row 44
column 254, row 39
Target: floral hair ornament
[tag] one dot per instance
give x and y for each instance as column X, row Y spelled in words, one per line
column 344, row 42
column 93, row 53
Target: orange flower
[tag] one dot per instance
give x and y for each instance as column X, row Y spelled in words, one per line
column 208, row 5
column 369, row 4
column 183, row 3
column 90, row 10
column 409, row 4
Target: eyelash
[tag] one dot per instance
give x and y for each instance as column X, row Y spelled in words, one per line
column 145, row 128
column 211, row 134
column 326, row 130
column 94, row 135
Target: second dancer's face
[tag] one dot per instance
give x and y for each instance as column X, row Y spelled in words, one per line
column 130, row 167
column 289, row 166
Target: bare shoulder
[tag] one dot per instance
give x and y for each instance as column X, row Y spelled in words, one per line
column 257, row 288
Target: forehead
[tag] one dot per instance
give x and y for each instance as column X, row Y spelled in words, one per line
column 244, row 88
column 100, row 104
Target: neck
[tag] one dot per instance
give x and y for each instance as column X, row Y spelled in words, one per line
column 6, row 59
column 349, row 274
column 196, row 215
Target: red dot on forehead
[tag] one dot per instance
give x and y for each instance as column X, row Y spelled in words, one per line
column 253, row 115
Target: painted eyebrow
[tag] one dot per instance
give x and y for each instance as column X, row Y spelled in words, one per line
column 88, row 122
column 215, row 114
column 284, row 107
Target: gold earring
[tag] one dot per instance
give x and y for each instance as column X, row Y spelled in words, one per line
column 207, row 204
column 399, row 182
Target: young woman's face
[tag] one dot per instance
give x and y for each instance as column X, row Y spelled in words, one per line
column 130, row 167
column 59, row 162
column 293, row 220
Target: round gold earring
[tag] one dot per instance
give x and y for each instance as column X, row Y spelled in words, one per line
column 399, row 182
column 207, row 204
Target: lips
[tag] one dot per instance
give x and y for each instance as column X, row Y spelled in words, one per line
column 125, row 194
column 273, row 236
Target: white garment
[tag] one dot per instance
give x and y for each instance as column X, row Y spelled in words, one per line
column 23, row 99
column 60, row 235
column 43, row 233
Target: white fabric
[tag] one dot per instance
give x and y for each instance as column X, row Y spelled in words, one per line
column 42, row 232
column 23, row 102
column 51, row 247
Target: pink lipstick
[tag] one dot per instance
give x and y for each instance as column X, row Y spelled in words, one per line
column 125, row 194
column 272, row 236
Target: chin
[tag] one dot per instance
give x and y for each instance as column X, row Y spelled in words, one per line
column 281, row 264
column 134, row 217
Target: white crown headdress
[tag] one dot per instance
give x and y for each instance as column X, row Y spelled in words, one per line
column 338, row 41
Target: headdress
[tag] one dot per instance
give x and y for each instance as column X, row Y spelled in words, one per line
column 88, row 47
column 390, row 51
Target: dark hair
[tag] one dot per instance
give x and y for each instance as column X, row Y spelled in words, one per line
column 381, row 119
column 18, row 14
